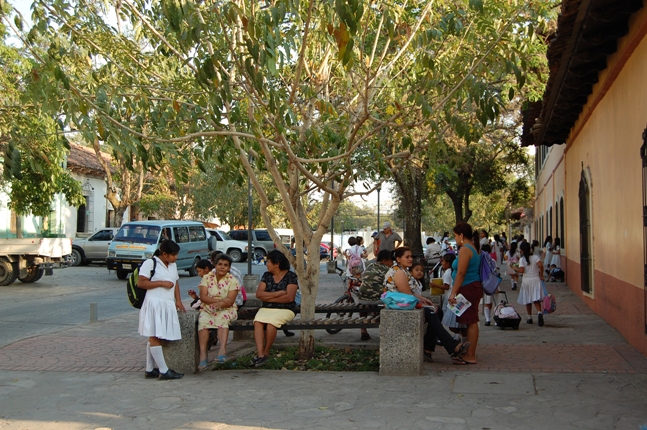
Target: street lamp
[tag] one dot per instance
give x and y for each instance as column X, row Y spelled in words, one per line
column 378, row 207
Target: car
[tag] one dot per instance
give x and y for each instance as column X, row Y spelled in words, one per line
column 93, row 248
column 327, row 248
column 221, row 241
column 137, row 241
column 323, row 252
column 261, row 241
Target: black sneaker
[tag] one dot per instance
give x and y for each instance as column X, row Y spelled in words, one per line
column 171, row 374
column 529, row 321
column 487, row 323
column 540, row 318
column 259, row 361
column 155, row 373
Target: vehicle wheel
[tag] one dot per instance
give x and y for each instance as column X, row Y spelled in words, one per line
column 236, row 255
column 122, row 274
column 76, row 257
column 343, row 299
column 7, row 274
column 34, row 276
column 193, row 271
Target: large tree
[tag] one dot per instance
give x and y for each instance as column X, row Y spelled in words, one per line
column 32, row 144
column 301, row 90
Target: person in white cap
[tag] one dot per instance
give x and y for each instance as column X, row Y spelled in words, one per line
column 388, row 239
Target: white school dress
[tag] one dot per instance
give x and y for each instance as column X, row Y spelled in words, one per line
column 549, row 255
column 556, row 260
column 158, row 315
column 530, row 290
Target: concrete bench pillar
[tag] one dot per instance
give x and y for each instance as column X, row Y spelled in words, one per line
column 401, row 342
column 183, row 355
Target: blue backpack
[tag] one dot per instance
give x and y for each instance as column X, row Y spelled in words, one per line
column 490, row 278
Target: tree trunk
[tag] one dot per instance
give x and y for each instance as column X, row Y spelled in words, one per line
column 309, row 287
column 411, row 184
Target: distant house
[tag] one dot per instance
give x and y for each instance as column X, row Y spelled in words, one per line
column 591, row 158
column 97, row 212
column 67, row 220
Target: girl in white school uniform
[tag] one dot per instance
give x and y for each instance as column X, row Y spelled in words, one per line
column 531, row 290
column 158, row 318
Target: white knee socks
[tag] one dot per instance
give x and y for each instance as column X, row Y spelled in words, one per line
column 158, row 356
column 486, row 311
column 150, row 363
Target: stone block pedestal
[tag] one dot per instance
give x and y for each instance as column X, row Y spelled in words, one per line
column 183, row 355
column 401, row 342
column 250, row 282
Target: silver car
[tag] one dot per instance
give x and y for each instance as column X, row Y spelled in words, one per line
column 95, row 247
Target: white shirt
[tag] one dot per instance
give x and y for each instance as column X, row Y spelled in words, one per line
column 162, row 273
column 447, row 279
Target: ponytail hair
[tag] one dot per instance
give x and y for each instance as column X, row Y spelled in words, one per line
column 525, row 251
column 476, row 238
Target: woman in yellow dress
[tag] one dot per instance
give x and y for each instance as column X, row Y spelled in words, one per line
column 218, row 291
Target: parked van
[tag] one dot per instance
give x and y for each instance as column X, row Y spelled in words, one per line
column 137, row 240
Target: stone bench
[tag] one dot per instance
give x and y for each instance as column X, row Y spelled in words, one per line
column 401, row 339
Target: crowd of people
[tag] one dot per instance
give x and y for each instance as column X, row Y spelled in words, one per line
column 394, row 269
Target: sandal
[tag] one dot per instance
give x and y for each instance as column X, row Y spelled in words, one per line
column 203, row 365
column 221, row 359
column 462, row 350
column 460, row 362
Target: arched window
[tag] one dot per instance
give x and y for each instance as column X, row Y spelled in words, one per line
column 586, row 257
column 561, row 222
column 557, row 232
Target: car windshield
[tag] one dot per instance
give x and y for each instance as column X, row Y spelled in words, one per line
column 138, row 233
column 224, row 235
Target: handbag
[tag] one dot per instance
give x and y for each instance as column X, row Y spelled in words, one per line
column 549, row 304
column 400, row 301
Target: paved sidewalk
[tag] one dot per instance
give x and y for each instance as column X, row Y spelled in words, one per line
column 575, row 372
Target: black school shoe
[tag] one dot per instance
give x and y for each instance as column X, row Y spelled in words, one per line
column 155, row 373
column 171, row 374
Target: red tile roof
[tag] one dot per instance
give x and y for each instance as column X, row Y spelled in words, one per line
column 83, row 160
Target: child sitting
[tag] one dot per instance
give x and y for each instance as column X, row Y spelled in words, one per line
column 202, row 267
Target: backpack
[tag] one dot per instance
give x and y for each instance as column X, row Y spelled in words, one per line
column 136, row 295
column 400, row 301
column 490, row 278
column 355, row 257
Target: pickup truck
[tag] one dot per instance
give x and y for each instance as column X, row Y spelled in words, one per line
column 30, row 259
column 219, row 240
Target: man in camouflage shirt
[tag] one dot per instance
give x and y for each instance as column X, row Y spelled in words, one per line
column 373, row 283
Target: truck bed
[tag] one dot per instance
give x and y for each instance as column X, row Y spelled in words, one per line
column 50, row 247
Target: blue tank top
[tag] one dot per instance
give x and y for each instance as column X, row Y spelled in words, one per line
column 473, row 268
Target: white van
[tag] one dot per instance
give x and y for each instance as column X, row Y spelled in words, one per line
column 138, row 240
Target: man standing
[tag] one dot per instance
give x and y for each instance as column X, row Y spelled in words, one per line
column 388, row 239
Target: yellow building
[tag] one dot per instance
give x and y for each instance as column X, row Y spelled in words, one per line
column 589, row 130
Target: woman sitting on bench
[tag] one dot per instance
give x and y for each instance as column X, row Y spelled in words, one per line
column 277, row 290
column 218, row 291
